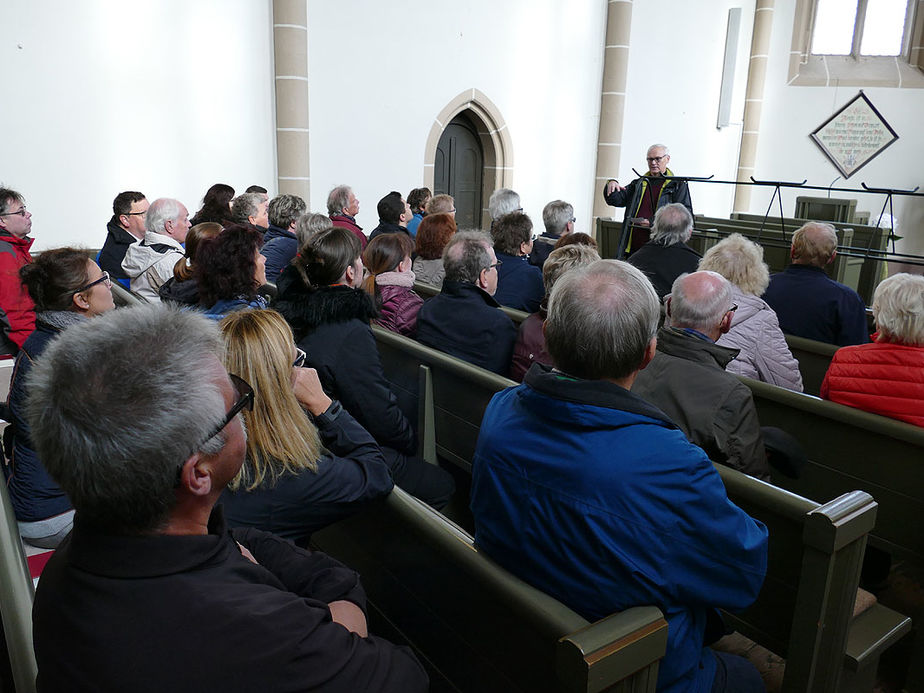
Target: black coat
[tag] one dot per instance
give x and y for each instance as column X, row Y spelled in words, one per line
column 663, row 264
column 631, row 198
column 113, row 252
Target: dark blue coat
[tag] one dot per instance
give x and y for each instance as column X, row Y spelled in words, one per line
column 279, row 247
column 519, row 284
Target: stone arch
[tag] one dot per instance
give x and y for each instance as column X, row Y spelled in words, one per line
column 495, row 143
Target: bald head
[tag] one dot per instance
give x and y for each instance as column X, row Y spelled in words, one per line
column 814, row 244
column 700, row 301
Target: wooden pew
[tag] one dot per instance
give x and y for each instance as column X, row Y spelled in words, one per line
column 805, row 558
column 814, row 359
column 475, row 624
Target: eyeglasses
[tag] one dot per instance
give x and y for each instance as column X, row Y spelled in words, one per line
column 498, row 263
column 733, row 308
column 21, row 213
column 245, row 396
column 135, row 214
column 573, row 219
column 300, row 357
column 655, row 159
column 102, row 280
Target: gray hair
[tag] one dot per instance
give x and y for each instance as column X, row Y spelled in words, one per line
column 673, row 223
column 563, row 259
column 556, row 215
column 246, row 205
column 898, row 306
column 466, row 255
column 659, row 146
column 814, row 243
column 284, row 209
column 700, row 300
column 113, row 429
column 503, row 201
column 338, row 198
column 601, row 319
column 741, row 262
column 159, row 213
column 309, row 224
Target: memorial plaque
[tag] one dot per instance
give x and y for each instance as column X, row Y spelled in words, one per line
column 854, row 136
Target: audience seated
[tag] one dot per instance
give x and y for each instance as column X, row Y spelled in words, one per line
column 442, row 204
column 343, row 206
column 216, row 205
column 464, row 320
column 519, row 284
column 687, row 379
column 280, row 242
column 887, row 376
column 124, row 228
column 558, row 219
column 67, row 289
column 390, row 282
column 330, row 317
column 229, row 271
column 150, row 261
column 755, row 330
column 592, row 495
column 666, row 255
column 251, row 208
column 308, row 225
column 182, row 288
column 417, row 200
column 394, row 215
column 503, row 201
column 300, row 474
column 577, row 238
column 17, row 315
column 810, row 304
column 530, row 345
column 151, row 591
column 433, row 234
column 258, row 189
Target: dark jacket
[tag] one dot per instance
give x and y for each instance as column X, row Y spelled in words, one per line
column 542, row 248
column 388, row 227
column 348, row 222
column 331, row 325
column 530, row 346
column 810, row 304
column 631, row 198
column 351, row 472
column 190, row 613
column 184, row 293
column 519, row 284
column 400, row 306
column 663, row 264
column 463, row 320
column 688, row 382
column 113, row 252
column 279, row 247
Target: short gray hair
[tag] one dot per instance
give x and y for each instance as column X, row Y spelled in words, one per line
column 814, row 243
column 246, row 205
column 338, row 198
column 700, row 300
column 503, row 201
column 466, row 255
column 563, row 259
column 556, row 215
column 898, row 306
column 284, row 209
column 601, row 319
column 659, row 146
column 673, row 223
column 113, row 429
column 309, row 224
column 741, row 262
column 161, row 211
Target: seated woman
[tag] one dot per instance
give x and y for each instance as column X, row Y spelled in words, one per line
column 182, row 288
column 330, row 317
column 755, row 329
column 216, row 205
column 887, row 376
column 519, row 284
column 433, row 234
column 293, row 481
column 67, row 288
column 530, row 345
column 230, row 270
column 387, row 259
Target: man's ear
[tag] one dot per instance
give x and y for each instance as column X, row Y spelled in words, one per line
column 725, row 325
column 195, row 475
column 667, row 307
column 831, row 259
column 482, row 282
column 650, row 352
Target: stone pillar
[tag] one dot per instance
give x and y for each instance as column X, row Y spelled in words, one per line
column 754, row 99
column 612, row 98
column 290, row 47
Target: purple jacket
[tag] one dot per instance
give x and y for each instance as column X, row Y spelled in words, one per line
column 530, row 346
column 399, row 303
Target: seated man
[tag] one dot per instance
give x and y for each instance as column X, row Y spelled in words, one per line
column 394, row 215
column 558, row 219
column 687, row 379
column 519, row 284
column 17, row 312
column 150, row 262
column 666, row 256
column 151, row 591
column 126, row 226
column 463, row 319
column 342, row 207
column 810, row 304
column 594, row 496
column 280, row 242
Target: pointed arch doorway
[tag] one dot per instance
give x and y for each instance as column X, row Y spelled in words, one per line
column 458, row 170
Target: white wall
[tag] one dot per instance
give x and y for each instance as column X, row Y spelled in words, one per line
column 162, row 96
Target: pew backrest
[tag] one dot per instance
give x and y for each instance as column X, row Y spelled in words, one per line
column 814, row 358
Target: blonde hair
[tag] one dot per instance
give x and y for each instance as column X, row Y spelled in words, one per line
column 898, row 307
column 565, row 258
column 814, row 243
column 740, row 261
column 280, row 437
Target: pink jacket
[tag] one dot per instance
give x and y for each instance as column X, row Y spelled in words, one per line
column 400, row 304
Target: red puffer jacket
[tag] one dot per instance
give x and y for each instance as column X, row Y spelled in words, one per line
column 881, row 377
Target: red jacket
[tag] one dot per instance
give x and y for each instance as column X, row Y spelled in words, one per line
column 881, row 378
column 349, row 222
column 15, row 301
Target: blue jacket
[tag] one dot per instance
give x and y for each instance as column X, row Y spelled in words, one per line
column 229, row 305
column 592, row 495
column 812, row 305
column 279, row 247
column 519, row 284
column 414, row 223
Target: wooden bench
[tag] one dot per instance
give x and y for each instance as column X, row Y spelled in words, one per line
column 815, row 551
column 476, row 625
column 814, row 359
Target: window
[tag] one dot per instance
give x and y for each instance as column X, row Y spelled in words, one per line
column 858, row 42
